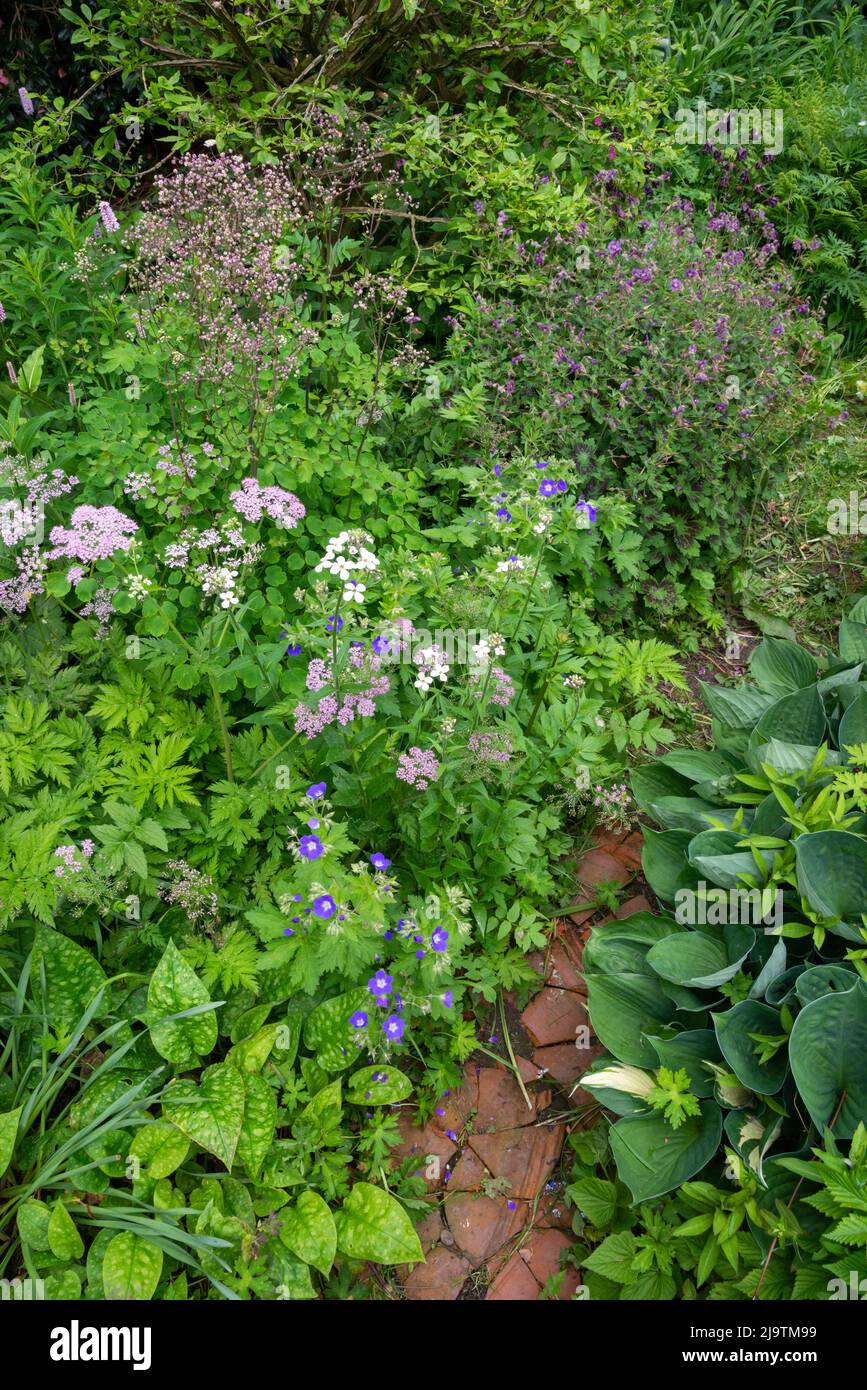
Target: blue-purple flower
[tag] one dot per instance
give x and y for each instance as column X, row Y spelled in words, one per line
column 334, row 624
column 393, row 1028
column 380, row 983
column 310, row 847
column 317, row 789
column 358, row 1019
column 439, row 940
column 380, row 862
column 324, row 906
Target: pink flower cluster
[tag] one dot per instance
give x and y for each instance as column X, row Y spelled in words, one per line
column 68, row 863
column 362, row 703
column 94, row 533
column 251, row 500
column 503, row 690
column 16, row 593
column 419, row 767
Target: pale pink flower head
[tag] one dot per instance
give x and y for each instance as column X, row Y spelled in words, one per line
column 94, row 533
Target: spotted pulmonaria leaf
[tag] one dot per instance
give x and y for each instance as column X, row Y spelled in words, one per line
column 174, row 988
column 8, row 1135
column 381, row 1085
column 212, row 1113
column 63, row 1287
column 308, row 1230
column 160, row 1148
column 372, row 1225
column 131, row 1268
column 63, row 1237
column 32, row 1220
column 329, row 1034
column 72, row 977
column 260, row 1119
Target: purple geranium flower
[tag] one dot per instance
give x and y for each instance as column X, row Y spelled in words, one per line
column 379, row 861
column 448, row 998
column 547, row 487
column 310, row 847
column 439, row 939
column 358, row 1019
column 393, row 1028
column 334, row 624
column 324, row 906
column 380, row 983
column 317, row 789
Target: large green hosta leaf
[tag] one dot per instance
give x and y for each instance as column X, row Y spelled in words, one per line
column 798, row 718
column 653, row 1158
column 853, row 725
column 832, row 873
column 702, row 960
column 690, row 1050
column 174, row 988
column 853, row 640
column 621, row 947
column 664, row 860
column 733, row 1031
column 739, row 708
column 715, row 855
column 625, row 1007
column 781, row 666
column 828, row 1052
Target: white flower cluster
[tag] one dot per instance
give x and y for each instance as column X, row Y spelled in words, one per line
column 487, row 648
column 514, row 562
column 347, row 553
column 139, row 586
column 433, row 666
column 219, row 580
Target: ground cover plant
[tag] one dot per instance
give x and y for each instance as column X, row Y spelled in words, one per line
column 397, row 419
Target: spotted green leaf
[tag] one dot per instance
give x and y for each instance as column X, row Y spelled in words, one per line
column 72, row 977
column 308, row 1230
column 8, row 1135
column 131, row 1268
column 32, row 1220
column 160, row 1148
column 174, row 988
column 212, row 1113
column 381, row 1085
column 372, row 1225
column 328, row 1032
column 63, row 1237
column 260, row 1120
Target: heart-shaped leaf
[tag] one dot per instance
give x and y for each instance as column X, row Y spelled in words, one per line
column 174, row 988
column 734, row 1030
column 72, row 977
column 212, row 1113
column 827, row 1050
column 832, row 873
column 782, row 667
column 259, row 1123
column 63, row 1237
column 131, row 1268
column 653, row 1158
column 381, row 1085
column 702, row 960
column 328, row 1032
column 160, row 1148
column 372, row 1225
column 625, row 1007
column 308, row 1230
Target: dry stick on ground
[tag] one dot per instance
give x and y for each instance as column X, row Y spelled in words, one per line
column 790, row 1204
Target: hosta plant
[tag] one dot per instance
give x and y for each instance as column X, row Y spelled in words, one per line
column 737, row 1013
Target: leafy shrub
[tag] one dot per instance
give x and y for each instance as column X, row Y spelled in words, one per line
column 740, row 1010
column 665, row 362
